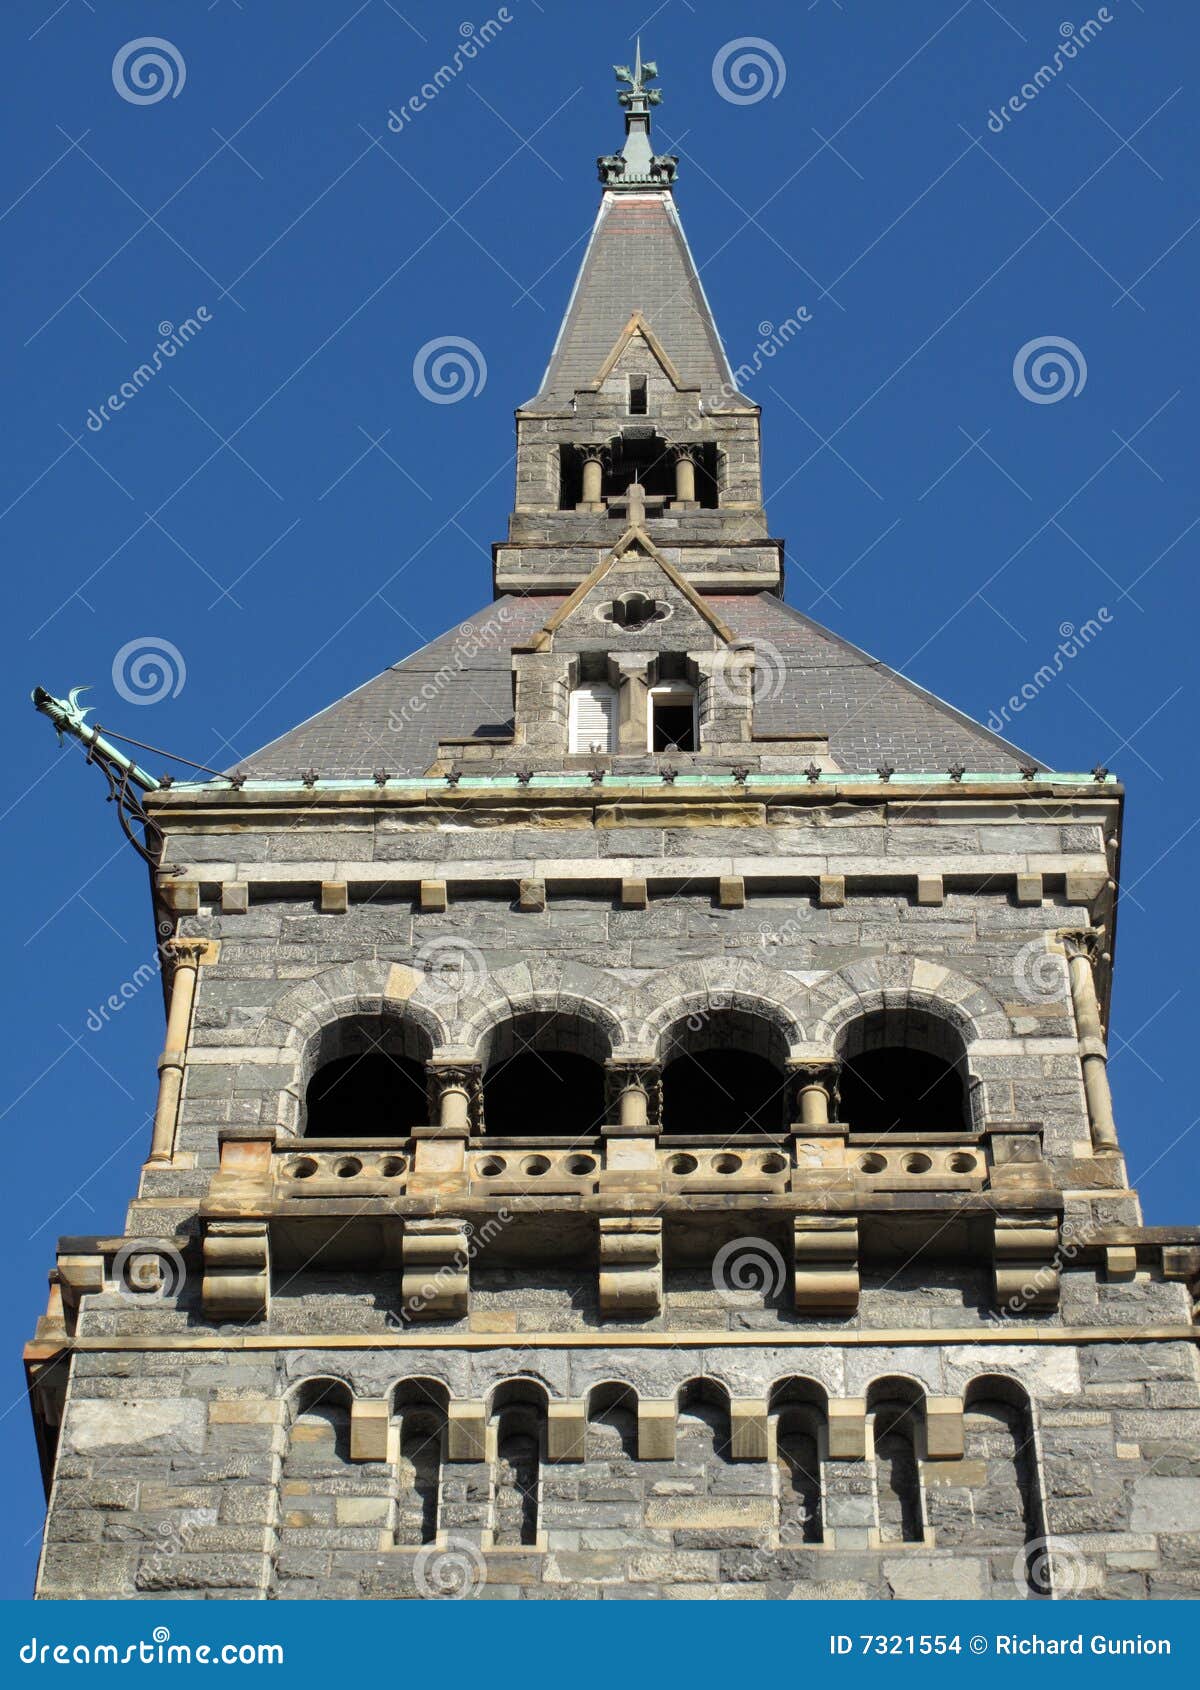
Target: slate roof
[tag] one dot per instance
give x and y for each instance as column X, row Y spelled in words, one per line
column 461, row 685
column 637, row 260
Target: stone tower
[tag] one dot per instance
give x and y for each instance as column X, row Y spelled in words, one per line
column 633, row 1116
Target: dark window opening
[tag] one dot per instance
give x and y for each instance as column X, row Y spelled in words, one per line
column 570, row 478
column 896, row 1090
column 674, row 726
column 722, row 1091
column 516, row 1513
column 419, row 1475
column 367, row 1096
column 896, row 1474
column 544, row 1092
column 637, row 396
column 799, row 1478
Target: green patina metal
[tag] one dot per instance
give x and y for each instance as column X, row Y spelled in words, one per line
column 68, row 714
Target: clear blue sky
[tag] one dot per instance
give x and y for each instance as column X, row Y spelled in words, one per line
column 238, row 508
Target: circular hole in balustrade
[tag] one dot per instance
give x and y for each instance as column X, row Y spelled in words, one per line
column 302, row 1168
column 774, row 1163
column 391, row 1167
column 490, row 1166
column 872, row 1163
column 535, row 1165
column 726, row 1164
column 681, row 1165
column 962, row 1162
column 581, row 1164
column 917, row 1164
column 347, row 1166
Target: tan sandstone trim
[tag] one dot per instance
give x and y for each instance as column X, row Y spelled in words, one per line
column 628, row 1340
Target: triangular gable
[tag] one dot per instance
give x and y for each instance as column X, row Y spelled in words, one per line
column 637, row 325
column 633, row 535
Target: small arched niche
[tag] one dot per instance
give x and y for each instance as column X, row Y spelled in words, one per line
column 543, row 1075
column 419, row 1406
column 896, row 1409
column 904, row 1070
column 366, row 1078
column 798, row 1416
column 723, row 1072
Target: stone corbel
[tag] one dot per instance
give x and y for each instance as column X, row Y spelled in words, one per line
column 847, row 1428
column 943, row 1428
column 237, row 1270
column 825, row 1259
column 630, row 1265
column 370, row 1420
column 656, row 1429
column 748, row 1428
column 466, row 1430
column 1027, row 1263
column 434, row 1283
column 566, row 1430
column 78, row 1276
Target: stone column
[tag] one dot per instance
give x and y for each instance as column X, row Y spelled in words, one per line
column 814, row 1088
column 685, row 476
column 593, row 478
column 186, row 955
column 1093, row 1051
column 631, row 1139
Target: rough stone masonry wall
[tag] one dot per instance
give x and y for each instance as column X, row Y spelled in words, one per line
column 983, row 936
column 191, row 1473
column 230, row 1475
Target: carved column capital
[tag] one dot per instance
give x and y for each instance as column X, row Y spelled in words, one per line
column 463, row 1078
column 186, row 953
column 622, row 1076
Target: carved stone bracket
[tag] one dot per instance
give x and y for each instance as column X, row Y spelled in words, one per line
column 825, row 1256
column 1027, row 1262
column 434, row 1282
column 237, row 1270
column 631, row 1265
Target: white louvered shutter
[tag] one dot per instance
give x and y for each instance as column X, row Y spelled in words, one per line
column 593, row 714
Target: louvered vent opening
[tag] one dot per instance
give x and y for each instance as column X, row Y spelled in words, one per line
column 593, row 718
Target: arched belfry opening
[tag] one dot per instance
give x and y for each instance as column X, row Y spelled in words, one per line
column 366, row 1078
column 543, row 1076
column 723, row 1072
column 904, row 1070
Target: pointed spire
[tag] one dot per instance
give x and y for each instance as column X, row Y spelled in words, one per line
column 636, row 166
